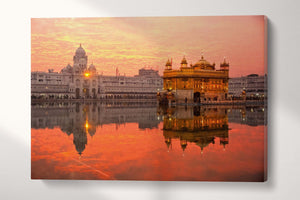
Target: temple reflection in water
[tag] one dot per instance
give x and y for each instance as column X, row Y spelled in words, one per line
column 203, row 124
column 198, row 125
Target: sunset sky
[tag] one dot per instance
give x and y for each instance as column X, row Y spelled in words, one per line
column 134, row 43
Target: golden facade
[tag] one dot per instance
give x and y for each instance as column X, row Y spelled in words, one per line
column 198, row 83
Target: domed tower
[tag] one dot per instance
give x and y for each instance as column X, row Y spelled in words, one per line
column 92, row 131
column 223, row 141
column 168, row 142
column 79, row 140
column 168, row 65
column 92, row 69
column 204, row 64
column 80, row 59
column 224, row 65
column 67, row 69
column 183, row 144
column 183, row 62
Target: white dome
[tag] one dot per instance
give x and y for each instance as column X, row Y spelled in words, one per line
column 92, row 66
column 80, row 51
column 68, row 66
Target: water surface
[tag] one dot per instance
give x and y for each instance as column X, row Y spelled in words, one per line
column 141, row 141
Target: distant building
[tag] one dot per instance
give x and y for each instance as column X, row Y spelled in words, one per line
column 197, row 83
column 253, row 85
column 80, row 81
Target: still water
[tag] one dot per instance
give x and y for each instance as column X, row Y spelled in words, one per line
column 141, row 141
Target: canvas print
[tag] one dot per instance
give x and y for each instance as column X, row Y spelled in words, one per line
column 149, row 98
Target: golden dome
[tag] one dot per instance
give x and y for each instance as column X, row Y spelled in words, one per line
column 202, row 62
column 183, row 61
column 168, row 63
column 225, row 63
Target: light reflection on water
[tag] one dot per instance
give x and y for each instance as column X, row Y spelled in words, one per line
column 130, row 141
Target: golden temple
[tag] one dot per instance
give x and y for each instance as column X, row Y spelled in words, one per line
column 198, row 83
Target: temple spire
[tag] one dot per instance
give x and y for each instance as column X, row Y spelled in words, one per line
column 202, row 53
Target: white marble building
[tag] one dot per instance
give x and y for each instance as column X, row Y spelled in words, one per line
column 254, row 86
column 82, row 81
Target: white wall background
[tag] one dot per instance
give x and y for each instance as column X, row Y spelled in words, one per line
column 284, row 95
